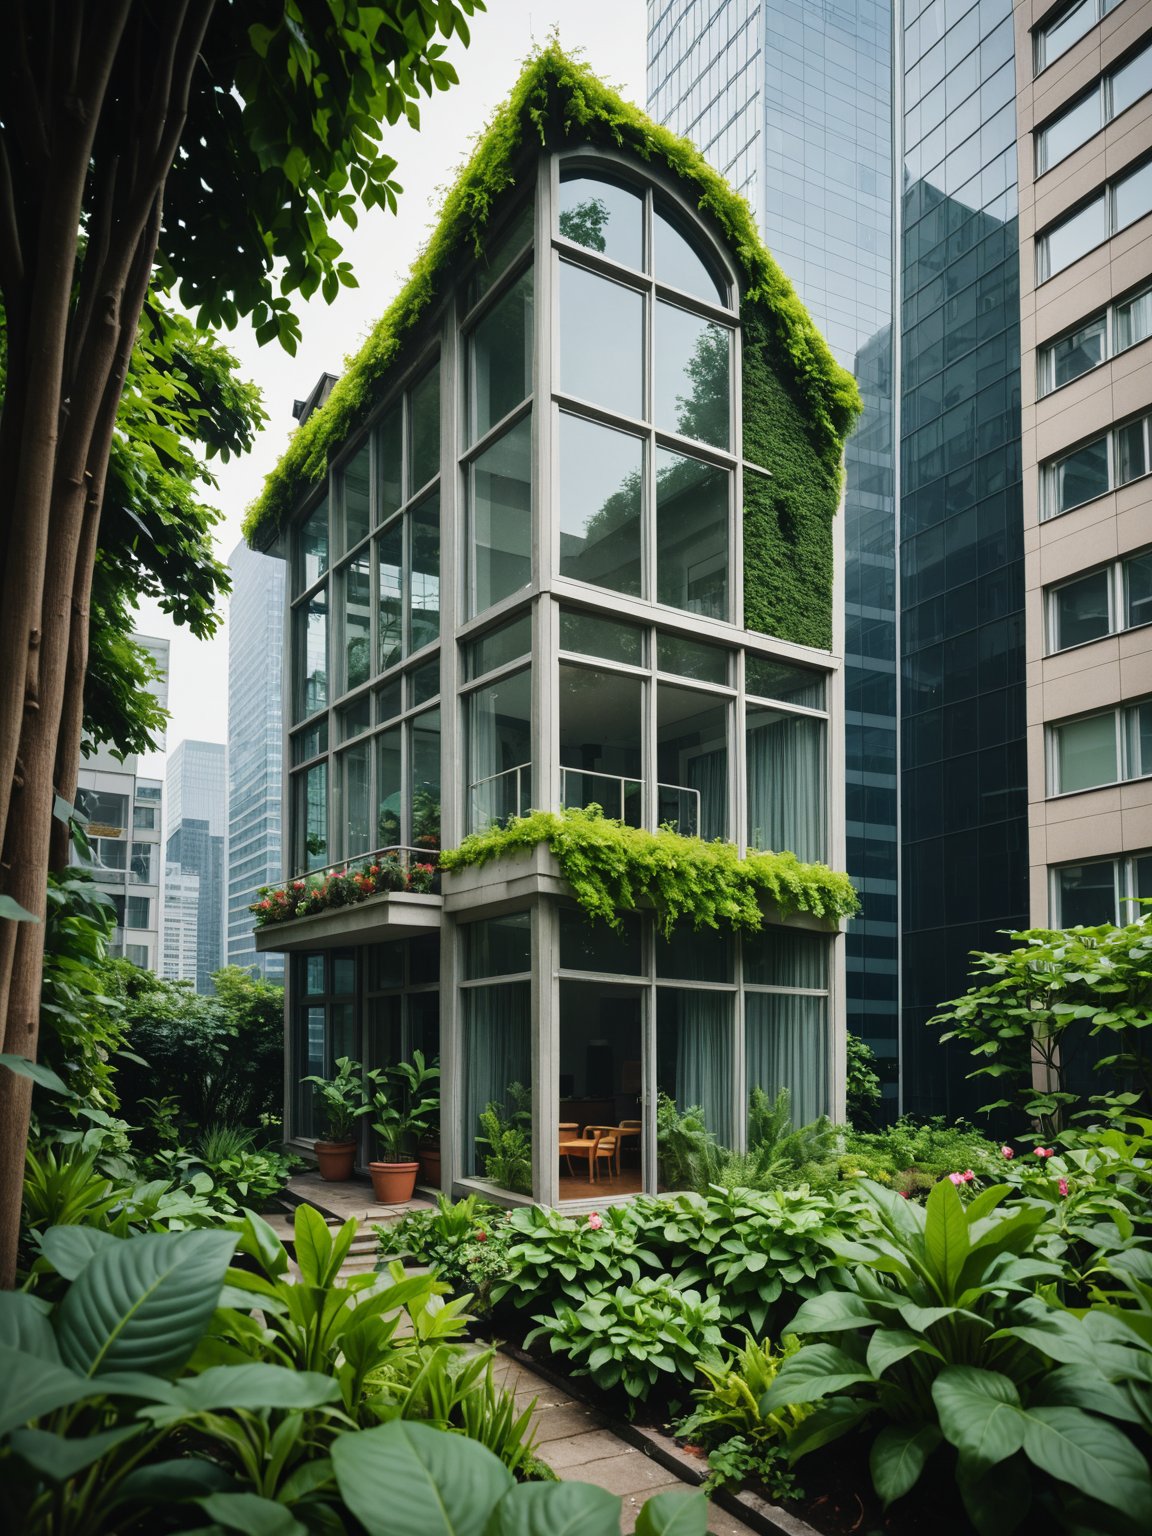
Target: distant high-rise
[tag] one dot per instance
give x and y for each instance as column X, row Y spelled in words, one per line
column 181, row 909
column 196, row 830
column 255, row 747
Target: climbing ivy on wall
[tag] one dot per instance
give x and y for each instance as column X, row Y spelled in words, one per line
column 799, row 404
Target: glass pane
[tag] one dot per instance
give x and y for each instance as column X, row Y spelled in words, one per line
column 1132, row 197
column 601, row 741
column 424, row 611
column 1068, row 132
column 388, row 778
column 424, row 1023
column 310, row 742
column 1134, row 320
column 312, row 549
column 497, row 646
column 1138, row 585
column 679, row 263
column 494, row 263
column 1138, row 743
column 107, row 813
column 778, row 680
column 501, row 356
column 1131, row 81
column 142, row 870
column 425, row 739
column 691, row 954
column 1069, row 241
column 312, row 970
column 355, row 498
column 593, row 946
column 692, row 375
column 1086, row 753
column 355, row 718
column 424, row 430
column 1078, row 353
column 786, row 957
column 691, row 535
column 1143, row 873
column 389, row 701
column 312, row 648
column 499, row 748
column 1070, row 28
column 502, row 517
column 690, row 658
column 600, row 1083
column 390, row 454
column 1131, row 457
column 314, row 818
column 110, row 854
column 603, row 216
column 424, row 683
column 1081, row 476
column 694, row 1061
column 787, row 779
column 591, row 636
column 692, row 762
column 424, row 960
column 601, row 492
column 357, row 622
column 498, row 946
column 355, row 795
column 601, row 341
column 1081, row 610
column 786, row 1046
column 389, row 575
column 497, row 1077
column 1086, row 893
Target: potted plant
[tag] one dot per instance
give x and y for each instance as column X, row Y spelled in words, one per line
column 404, row 1104
column 342, row 1100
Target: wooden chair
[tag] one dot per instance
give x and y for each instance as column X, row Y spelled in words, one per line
column 598, row 1141
column 626, row 1128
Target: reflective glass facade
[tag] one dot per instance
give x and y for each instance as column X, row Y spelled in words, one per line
column 793, row 103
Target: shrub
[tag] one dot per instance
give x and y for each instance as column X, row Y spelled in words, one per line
column 553, row 1258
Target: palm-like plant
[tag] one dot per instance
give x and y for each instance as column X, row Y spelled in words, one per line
column 406, row 1104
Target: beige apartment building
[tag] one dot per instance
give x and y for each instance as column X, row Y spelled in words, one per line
column 1084, row 122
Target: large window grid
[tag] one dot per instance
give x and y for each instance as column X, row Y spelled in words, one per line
column 1117, row 205
column 1094, row 342
column 643, row 391
column 1107, row 601
column 1094, row 751
column 1101, row 891
column 1112, row 94
column 1119, row 456
column 1056, row 35
column 496, row 716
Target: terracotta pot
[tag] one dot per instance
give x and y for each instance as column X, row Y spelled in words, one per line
column 336, row 1160
column 393, row 1183
column 430, row 1166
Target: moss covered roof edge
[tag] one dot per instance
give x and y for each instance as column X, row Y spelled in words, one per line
column 556, row 99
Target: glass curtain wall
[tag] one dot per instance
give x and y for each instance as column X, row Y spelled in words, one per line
column 497, row 716
column 497, row 1051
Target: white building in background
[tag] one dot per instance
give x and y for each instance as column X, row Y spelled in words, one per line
column 196, row 827
column 181, row 908
column 255, row 747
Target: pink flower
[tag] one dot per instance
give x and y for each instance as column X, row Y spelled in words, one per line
column 957, row 1179
column 904, row 1194
column 481, row 1237
column 1007, row 1152
column 1045, row 1151
column 967, row 1175
column 595, row 1221
column 1062, row 1186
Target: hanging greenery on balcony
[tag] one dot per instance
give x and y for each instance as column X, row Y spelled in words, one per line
column 613, row 868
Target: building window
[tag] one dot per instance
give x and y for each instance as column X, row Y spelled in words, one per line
column 1112, row 94
column 786, row 746
column 1095, row 468
column 1068, row 26
column 1104, row 602
column 1100, row 749
column 1104, row 891
column 143, row 870
column 324, row 1027
column 497, row 1041
column 1094, row 341
column 1120, row 203
column 786, row 1019
column 138, row 912
column 138, row 954
column 646, row 338
column 107, row 813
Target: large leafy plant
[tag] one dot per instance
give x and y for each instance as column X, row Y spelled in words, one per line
column 406, row 1104
column 342, row 1098
column 939, row 1337
column 552, row 1257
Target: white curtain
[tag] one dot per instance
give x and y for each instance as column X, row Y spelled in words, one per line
column 708, row 773
column 787, row 783
column 703, row 1024
column 787, row 1047
column 498, row 1051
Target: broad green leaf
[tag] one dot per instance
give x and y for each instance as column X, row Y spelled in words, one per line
column 313, row 1243
column 1078, row 1386
column 70, row 1250
column 408, row 1477
column 898, row 1456
column 142, row 1304
column 43, row 1077
column 946, row 1236
column 980, row 1414
column 24, row 1325
column 828, row 1423
column 58, row 1458
column 831, row 1313
column 250, row 1513
column 817, row 1370
column 920, row 1319
column 1092, row 1455
column 996, row 1500
column 259, row 1240
column 31, row 1386
column 673, row 1514
column 987, row 1200
column 11, row 909
column 256, row 1386
column 555, row 1509
column 888, row 1345
column 171, row 1482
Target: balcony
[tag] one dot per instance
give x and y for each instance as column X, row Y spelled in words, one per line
column 343, row 914
column 495, row 799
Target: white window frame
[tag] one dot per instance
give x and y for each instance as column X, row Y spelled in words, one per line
column 1040, row 57
column 1106, row 196
column 1048, row 471
column 1102, row 90
column 1045, row 354
column 1119, row 715
column 1123, row 886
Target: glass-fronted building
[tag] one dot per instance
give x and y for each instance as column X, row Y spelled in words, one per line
column 197, row 824
column 525, row 583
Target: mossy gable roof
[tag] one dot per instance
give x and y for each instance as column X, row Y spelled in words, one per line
column 556, row 101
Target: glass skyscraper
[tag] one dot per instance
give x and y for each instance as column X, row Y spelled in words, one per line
column 255, row 747
column 813, row 111
column 196, row 822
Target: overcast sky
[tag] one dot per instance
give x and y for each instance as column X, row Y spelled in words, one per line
column 611, row 34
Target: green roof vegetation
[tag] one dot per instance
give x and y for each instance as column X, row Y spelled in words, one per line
column 558, row 101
